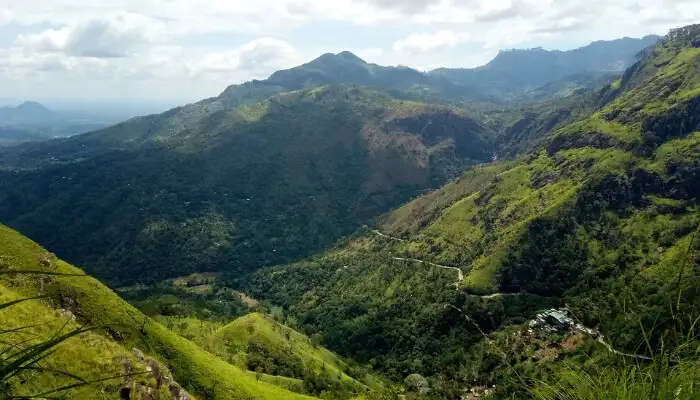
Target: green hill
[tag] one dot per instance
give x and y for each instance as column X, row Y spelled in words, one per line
column 103, row 352
column 206, row 188
column 601, row 218
column 258, row 343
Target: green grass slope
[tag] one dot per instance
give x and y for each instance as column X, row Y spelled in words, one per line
column 254, row 339
column 602, row 218
column 92, row 354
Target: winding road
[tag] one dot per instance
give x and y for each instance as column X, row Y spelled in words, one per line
column 460, row 274
column 384, row 235
column 460, row 277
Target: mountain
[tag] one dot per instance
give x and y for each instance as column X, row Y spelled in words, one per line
column 18, row 124
column 208, row 188
column 126, row 341
column 31, row 121
column 347, row 68
column 27, row 113
column 521, row 75
column 514, row 72
column 598, row 223
column 508, row 76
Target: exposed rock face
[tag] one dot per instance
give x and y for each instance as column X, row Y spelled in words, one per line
column 478, row 392
column 159, row 375
column 177, row 392
column 45, row 261
column 138, row 354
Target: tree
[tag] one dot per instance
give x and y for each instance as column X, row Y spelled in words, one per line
column 316, row 339
column 417, row 383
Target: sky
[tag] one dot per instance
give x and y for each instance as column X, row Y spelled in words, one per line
column 180, row 51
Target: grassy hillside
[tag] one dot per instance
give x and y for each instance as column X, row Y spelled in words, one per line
column 91, row 355
column 261, row 344
column 602, row 218
column 102, row 352
column 208, row 188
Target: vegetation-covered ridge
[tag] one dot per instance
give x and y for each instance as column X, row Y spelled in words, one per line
column 259, row 343
column 602, row 218
column 196, row 190
column 76, row 300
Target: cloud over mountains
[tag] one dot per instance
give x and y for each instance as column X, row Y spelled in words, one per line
column 193, row 48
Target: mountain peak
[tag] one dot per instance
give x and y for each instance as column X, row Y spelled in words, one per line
column 32, row 106
column 342, row 57
column 349, row 56
column 689, row 33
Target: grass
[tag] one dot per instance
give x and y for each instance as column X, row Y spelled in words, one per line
column 90, row 355
column 477, row 231
column 234, row 338
column 197, row 370
column 291, row 384
column 596, row 124
column 659, row 380
column 674, row 152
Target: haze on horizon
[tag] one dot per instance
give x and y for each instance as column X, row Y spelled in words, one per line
column 185, row 50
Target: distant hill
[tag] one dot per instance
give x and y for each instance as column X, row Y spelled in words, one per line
column 29, row 112
column 347, row 68
column 507, row 77
column 513, row 72
column 32, row 121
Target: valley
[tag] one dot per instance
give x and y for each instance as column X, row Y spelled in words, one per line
column 527, row 229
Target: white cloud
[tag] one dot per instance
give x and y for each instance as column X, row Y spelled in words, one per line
column 405, row 6
column 369, row 53
column 119, row 36
column 255, row 59
column 427, row 42
column 5, row 16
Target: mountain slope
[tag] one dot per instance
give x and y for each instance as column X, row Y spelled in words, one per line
column 603, row 218
column 510, row 75
column 513, row 72
column 232, row 190
column 92, row 304
column 261, row 344
column 347, row 68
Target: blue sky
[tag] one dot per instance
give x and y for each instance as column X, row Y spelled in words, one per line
column 184, row 50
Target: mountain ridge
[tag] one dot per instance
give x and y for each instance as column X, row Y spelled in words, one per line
column 178, row 169
column 601, row 217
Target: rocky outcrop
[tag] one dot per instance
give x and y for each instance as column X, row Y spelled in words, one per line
column 158, row 376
